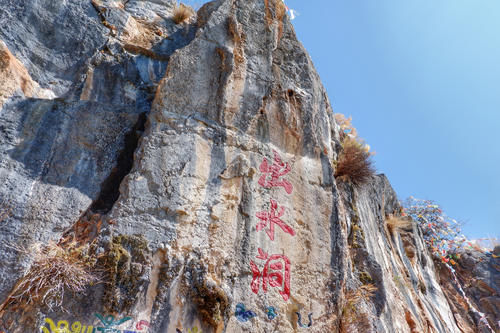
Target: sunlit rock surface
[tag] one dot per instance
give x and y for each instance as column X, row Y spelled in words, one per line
column 202, row 155
column 479, row 276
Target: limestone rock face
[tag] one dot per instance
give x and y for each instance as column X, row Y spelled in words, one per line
column 479, row 275
column 16, row 79
column 198, row 161
column 64, row 158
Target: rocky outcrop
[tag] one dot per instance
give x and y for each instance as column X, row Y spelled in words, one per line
column 478, row 275
column 196, row 163
column 63, row 158
column 16, row 79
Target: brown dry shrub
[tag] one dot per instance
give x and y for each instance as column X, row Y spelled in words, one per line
column 396, row 223
column 54, row 271
column 182, row 13
column 354, row 162
column 352, row 319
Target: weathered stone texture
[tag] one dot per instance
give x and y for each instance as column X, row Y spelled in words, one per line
column 61, row 158
column 479, row 275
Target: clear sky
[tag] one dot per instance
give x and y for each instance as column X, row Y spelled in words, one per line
column 421, row 80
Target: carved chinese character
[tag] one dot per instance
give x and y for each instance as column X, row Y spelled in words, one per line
column 270, row 219
column 275, row 171
column 272, row 274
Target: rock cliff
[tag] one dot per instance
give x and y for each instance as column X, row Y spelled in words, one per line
column 189, row 169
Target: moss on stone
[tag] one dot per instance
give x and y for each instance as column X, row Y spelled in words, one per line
column 125, row 262
column 211, row 301
column 365, row 278
column 355, row 236
column 355, row 214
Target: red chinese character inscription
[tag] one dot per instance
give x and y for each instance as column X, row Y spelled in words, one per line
column 277, row 170
column 272, row 273
column 270, row 218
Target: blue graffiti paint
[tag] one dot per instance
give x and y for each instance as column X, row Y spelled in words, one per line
column 242, row 314
column 271, row 312
column 300, row 320
column 109, row 321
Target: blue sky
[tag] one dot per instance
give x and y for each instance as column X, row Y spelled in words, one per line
column 421, row 80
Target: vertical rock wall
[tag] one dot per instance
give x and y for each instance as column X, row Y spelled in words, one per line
column 76, row 81
column 478, row 275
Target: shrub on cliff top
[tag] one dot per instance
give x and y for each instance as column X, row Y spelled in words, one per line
column 354, row 162
column 182, row 13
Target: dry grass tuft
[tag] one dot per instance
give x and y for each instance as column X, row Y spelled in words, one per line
column 354, row 162
column 363, row 293
column 182, row 13
column 396, row 223
column 54, row 271
column 354, row 320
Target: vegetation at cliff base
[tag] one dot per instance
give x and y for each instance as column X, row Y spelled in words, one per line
column 55, row 270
